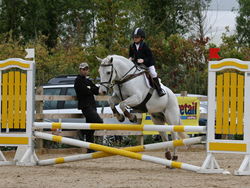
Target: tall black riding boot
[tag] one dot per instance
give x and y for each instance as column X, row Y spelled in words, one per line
column 160, row 91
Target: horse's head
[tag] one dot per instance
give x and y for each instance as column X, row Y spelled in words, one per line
column 107, row 74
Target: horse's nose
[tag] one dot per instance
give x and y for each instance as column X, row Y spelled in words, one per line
column 104, row 92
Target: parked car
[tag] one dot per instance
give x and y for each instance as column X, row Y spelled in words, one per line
column 64, row 85
column 67, row 79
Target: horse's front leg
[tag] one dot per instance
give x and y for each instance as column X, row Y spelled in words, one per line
column 112, row 100
column 131, row 101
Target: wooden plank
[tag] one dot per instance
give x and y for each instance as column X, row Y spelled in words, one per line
column 66, row 116
column 219, row 105
column 65, row 98
column 116, row 132
column 226, row 104
column 23, row 100
column 233, row 104
column 73, row 98
column 63, row 133
column 17, row 98
column 11, row 93
column 4, row 100
column 240, row 105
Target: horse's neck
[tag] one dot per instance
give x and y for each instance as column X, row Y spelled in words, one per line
column 123, row 69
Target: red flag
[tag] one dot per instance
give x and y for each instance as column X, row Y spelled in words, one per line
column 213, row 53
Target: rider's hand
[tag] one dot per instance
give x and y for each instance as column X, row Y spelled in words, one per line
column 140, row 60
column 130, row 58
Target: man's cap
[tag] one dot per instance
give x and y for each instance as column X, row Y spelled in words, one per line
column 83, row 65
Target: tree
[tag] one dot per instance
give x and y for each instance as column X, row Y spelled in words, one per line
column 113, row 23
column 32, row 23
column 75, row 22
column 243, row 22
column 198, row 17
column 11, row 17
column 170, row 16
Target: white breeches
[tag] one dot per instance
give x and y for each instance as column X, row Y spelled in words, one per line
column 152, row 71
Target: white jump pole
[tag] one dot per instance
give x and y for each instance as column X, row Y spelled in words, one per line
column 115, row 151
column 132, row 127
column 148, row 147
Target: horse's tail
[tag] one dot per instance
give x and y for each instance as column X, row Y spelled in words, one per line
column 182, row 135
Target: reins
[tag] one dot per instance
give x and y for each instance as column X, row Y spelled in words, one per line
column 124, row 78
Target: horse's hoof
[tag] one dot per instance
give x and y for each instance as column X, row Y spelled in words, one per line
column 121, row 118
column 169, row 167
column 168, row 155
column 134, row 120
column 175, row 158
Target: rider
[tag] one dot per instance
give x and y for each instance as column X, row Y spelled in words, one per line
column 140, row 52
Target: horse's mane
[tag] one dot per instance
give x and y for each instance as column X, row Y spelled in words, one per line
column 119, row 59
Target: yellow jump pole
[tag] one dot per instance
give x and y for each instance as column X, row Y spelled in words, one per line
column 141, row 148
column 132, row 127
column 116, row 151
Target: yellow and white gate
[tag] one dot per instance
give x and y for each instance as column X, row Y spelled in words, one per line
column 229, row 98
column 17, row 108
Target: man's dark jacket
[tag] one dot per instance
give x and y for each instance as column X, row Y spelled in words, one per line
column 85, row 91
column 144, row 52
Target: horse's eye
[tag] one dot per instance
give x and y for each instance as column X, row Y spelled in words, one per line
column 108, row 72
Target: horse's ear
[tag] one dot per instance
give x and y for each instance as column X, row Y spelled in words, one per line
column 99, row 59
column 110, row 59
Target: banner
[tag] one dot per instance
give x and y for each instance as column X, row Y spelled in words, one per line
column 189, row 112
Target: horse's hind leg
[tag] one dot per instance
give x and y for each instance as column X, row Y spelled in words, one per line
column 174, row 137
column 158, row 119
column 172, row 117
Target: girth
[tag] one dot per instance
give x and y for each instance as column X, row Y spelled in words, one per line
column 141, row 108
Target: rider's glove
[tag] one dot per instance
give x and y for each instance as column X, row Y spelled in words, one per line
column 89, row 87
column 140, row 60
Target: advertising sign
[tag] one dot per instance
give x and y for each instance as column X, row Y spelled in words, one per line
column 189, row 112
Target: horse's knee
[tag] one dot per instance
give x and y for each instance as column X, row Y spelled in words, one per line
column 122, row 106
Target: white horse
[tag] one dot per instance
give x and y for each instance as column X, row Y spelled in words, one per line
column 130, row 89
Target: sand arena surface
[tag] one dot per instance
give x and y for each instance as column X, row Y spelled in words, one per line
column 124, row 172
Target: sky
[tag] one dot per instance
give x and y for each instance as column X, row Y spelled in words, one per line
column 223, row 4
column 219, row 16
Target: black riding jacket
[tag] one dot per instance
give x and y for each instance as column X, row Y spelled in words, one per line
column 144, row 52
column 85, row 91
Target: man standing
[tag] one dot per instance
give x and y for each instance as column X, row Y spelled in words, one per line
column 85, row 91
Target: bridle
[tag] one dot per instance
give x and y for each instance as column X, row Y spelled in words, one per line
column 111, row 85
column 110, row 79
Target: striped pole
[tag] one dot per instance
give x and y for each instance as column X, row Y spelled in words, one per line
column 156, row 146
column 115, row 151
column 132, row 127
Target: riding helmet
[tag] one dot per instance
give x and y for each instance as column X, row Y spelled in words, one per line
column 138, row 32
